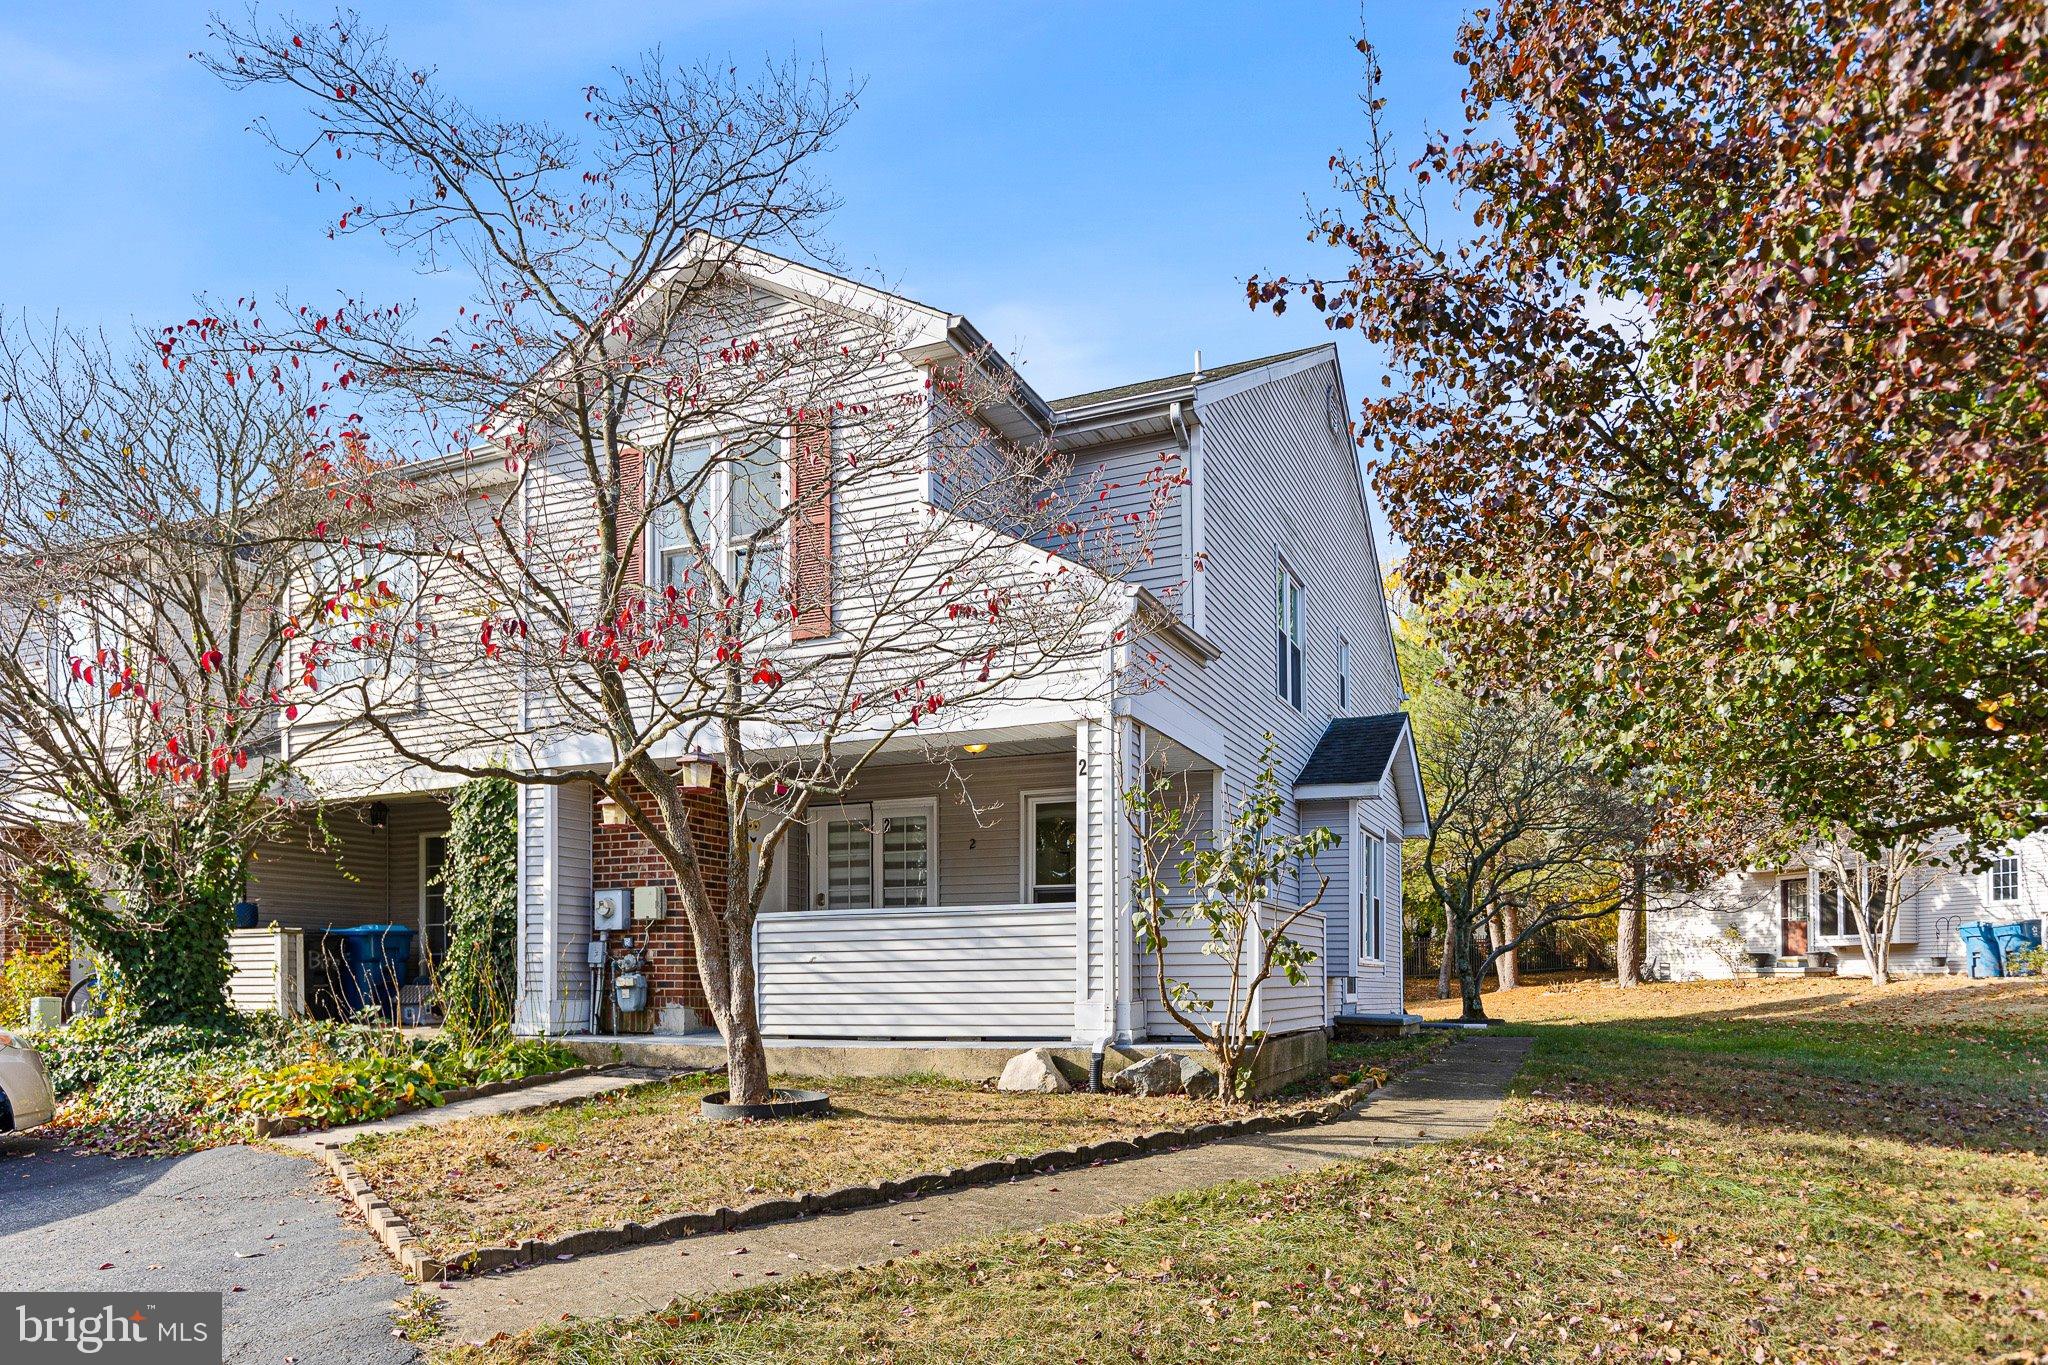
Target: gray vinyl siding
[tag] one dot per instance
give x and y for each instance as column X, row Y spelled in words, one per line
column 355, row 874
column 1280, row 484
column 1333, row 862
column 1133, row 485
column 979, row 837
column 308, row 879
column 1378, row 987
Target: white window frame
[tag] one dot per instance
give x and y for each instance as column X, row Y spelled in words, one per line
column 1343, row 673
column 312, row 591
column 717, row 520
column 1027, row 844
column 1991, row 873
column 1369, row 896
column 1290, row 633
column 662, row 540
column 1845, row 913
column 426, row 940
column 873, row 814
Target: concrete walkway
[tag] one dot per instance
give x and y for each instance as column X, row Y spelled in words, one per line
column 510, row 1102
column 1455, row 1097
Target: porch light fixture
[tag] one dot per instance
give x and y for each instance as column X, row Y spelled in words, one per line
column 380, row 815
column 975, row 748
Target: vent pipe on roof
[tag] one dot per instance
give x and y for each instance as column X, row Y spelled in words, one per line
column 1197, row 375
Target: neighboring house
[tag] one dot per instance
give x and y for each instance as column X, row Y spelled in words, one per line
column 989, row 898
column 1791, row 920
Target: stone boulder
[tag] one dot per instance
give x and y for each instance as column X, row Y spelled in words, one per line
column 1197, row 1080
column 1033, row 1072
column 1159, row 1074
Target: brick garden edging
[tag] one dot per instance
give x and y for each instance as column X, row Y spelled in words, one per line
column 271, row 1128
column 403, row 1245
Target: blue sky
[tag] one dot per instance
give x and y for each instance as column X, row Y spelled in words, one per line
column 1090, row 183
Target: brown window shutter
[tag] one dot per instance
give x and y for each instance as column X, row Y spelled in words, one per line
column 811, row 528
column 632, row 512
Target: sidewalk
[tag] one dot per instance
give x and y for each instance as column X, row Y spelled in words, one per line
column 1453, row 1098
column 511, row 1102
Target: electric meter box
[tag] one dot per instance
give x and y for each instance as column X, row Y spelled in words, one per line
column 608, row 910
column 648, row 903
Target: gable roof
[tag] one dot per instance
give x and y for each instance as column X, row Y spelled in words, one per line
column 1355, row 750
column 1167, row 383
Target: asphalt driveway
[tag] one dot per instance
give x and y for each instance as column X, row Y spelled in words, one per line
column 300, row 1284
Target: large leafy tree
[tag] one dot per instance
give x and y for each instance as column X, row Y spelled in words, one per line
column 1733, row 388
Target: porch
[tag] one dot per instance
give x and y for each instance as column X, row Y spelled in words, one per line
column 971, row 897
column 345, row 865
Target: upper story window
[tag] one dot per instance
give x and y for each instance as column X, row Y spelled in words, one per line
column 81, row 647
column 1287, row 634
column 2005, row 879
column 1343, row 674
column 691, row 486
column 745, row 516
column 358, row 600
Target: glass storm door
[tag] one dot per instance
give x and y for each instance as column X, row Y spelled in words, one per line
column 433, row 899
column 906, row 859
column 849, row 865
column 1793, row 913
column 1053, row 852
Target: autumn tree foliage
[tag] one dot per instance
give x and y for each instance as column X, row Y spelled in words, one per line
column 1733, row 388
column 717, row 538
column 154, row 499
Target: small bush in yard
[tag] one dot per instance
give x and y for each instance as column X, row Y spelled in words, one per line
column 180, row 1087
column 26, row 975
column 324, row 1090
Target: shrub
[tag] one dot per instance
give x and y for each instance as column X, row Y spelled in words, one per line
column 179, row 1087
column 26, row 975
column 479, row 882
column 323, row 1090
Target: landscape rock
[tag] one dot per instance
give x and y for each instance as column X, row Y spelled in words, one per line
column 1159, row 1074
column 1197, row 1080
column 1033, row 1072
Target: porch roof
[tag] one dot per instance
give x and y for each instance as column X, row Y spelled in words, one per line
column 1355, row 750
column 1358, row 754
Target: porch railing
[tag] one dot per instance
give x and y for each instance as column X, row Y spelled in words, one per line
column 995, row 972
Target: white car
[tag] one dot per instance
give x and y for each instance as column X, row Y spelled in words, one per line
column 25, row 1098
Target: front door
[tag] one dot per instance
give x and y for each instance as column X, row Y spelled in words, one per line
column 1792, row 916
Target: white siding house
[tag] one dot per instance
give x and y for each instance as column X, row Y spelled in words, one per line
column 1782, row 919
column 989, row 899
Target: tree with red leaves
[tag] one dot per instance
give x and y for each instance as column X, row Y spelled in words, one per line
column 737, row 526
column 154, row 506
column 1734, row 394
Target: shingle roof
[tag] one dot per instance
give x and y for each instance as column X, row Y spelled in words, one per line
column 1172, row 381
column 1355, row 749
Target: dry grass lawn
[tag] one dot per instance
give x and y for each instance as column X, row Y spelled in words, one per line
column 1795, row 1171
column 1912, row 1003
column 644, row 1154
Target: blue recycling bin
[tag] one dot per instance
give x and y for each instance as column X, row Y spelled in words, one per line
column 2014, row 938
column 376, row 961
column 1982, row 949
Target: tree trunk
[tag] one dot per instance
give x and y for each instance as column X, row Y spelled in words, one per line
column 1630, row 925
column 1508, row 967
column 1468, row 969
column 1443, row 965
